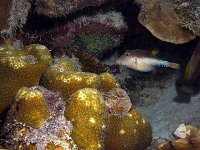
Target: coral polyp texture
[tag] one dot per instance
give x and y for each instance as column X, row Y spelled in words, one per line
column 58, row 8
column 108, row 82
column 5, row 10
column 53, row 133
column 129, row 132
column 161, row 19
column 88, row 111
column 66, row 79
column 20, row 68
column 94, row 34
column 26, row 101
column 65, row 76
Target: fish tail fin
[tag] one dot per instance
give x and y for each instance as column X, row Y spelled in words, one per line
column 174, row 65
column 155, row 52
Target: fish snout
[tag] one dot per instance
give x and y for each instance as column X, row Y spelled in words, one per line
column 118, row 62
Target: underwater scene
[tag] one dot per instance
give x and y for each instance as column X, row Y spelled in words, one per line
column 99, row 75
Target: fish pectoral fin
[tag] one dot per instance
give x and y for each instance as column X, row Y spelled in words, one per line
column 174, row 65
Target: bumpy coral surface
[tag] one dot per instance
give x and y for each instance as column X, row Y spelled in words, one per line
column 130, row 132
column 108, row 82
column 53, row 133
column 68, row 80
column 88, row 111
column 160, row 18
column 20, row 68
column 27, row 100
column 58, row 8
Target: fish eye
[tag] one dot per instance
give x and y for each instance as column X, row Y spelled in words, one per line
column 127, row 54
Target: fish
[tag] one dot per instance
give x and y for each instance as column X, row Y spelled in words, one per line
column 143, row 61
column 181, row 131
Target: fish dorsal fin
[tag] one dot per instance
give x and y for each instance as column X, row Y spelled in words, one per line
column 181, row 131
column 155, row 52
column 141, row 53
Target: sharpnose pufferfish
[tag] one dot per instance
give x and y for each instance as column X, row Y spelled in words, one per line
column 143, row 61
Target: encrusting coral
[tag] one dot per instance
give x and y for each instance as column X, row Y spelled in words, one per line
column 20, row 68
column 21, row 127
column 88, row 112
column 161, row 19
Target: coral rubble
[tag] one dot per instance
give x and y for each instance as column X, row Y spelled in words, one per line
column 20, row 68
column 161, row 19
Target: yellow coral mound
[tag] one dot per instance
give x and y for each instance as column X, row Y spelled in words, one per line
column 26, row 101
column 20, row 68
column 129, row 132
column 65, row 76
column 87, row 110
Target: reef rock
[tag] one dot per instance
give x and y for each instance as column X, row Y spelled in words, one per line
column 13, row 16
column 94, row 34
column 161, row 19
column 58, row 8
column 189, row 15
